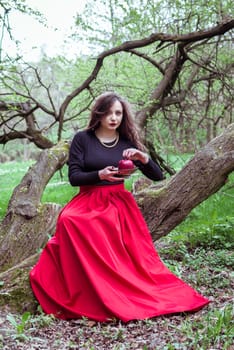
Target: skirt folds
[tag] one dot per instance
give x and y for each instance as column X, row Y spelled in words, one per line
column 101, row 263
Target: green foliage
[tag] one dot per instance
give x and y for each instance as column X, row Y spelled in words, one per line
column 219, row 235
column 203, row 108
column 19, row 324
column 215, row 330
column 211, row 330
column 199, row 12
column 26, row 323
column 182, row 127
column 210, row 224
column 21, row 6
column 213, row 236
column 175, row 252
column 110, row 23
column 211, row 271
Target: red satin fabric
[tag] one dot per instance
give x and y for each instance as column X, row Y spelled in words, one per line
column 101, row 263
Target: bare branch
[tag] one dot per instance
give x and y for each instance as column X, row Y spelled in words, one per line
column 149, row 59
column 25, row 112
column 182, row 39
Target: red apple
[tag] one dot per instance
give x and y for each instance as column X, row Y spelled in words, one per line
column 125, row 164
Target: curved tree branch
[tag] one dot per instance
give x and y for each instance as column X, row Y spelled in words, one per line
column 32, row 133
column 130, row 45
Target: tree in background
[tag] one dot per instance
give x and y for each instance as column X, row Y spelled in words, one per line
column 198, row 72
column 180, row 84
column 173, row 63
column 7, row 7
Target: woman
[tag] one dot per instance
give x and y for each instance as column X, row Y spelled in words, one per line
column 101, row 263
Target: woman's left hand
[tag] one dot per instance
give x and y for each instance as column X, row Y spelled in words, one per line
column 135, row 154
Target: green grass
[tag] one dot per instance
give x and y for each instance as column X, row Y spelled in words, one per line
column 59, row 190
column 177, row 161
column 210, row 224
column 10, row 175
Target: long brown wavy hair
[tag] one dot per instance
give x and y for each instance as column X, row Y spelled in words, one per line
column 127, row 128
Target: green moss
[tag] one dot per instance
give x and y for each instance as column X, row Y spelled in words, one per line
column 154, row 193
column 24, row 189
column 62, row 147
column 16, row 293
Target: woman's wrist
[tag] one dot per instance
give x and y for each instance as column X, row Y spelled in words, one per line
column 145, row 158
column 100, row 174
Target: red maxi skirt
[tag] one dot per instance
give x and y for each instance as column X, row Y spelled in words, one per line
column 102, row 264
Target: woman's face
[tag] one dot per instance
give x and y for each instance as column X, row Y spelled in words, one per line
column 113, row 118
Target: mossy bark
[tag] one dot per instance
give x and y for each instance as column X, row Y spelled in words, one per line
column 15, row 290
column 22, row 237
column 27, row 223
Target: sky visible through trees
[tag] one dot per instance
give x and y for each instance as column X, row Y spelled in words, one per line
column 37, row 38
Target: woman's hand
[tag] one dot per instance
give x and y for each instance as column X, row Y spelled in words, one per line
column 109, row 173
column 135, row 154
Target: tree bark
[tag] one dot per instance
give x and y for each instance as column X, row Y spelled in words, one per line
column 164, row 206
column 15, row 290
column 28, row 223
column 31, row 133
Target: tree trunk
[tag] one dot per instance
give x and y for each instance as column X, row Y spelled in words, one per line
column 28, row 223
column 164, row 206
column 15, row 290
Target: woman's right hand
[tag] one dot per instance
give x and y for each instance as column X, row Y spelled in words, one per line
column 109, row 173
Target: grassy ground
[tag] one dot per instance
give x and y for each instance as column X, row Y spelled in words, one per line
column 200, row 251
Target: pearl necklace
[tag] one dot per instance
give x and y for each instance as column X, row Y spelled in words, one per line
column 109, row 146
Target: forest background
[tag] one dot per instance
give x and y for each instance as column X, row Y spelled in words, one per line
column 173, row 60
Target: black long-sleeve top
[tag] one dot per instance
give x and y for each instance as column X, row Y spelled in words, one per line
column 88, row 155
